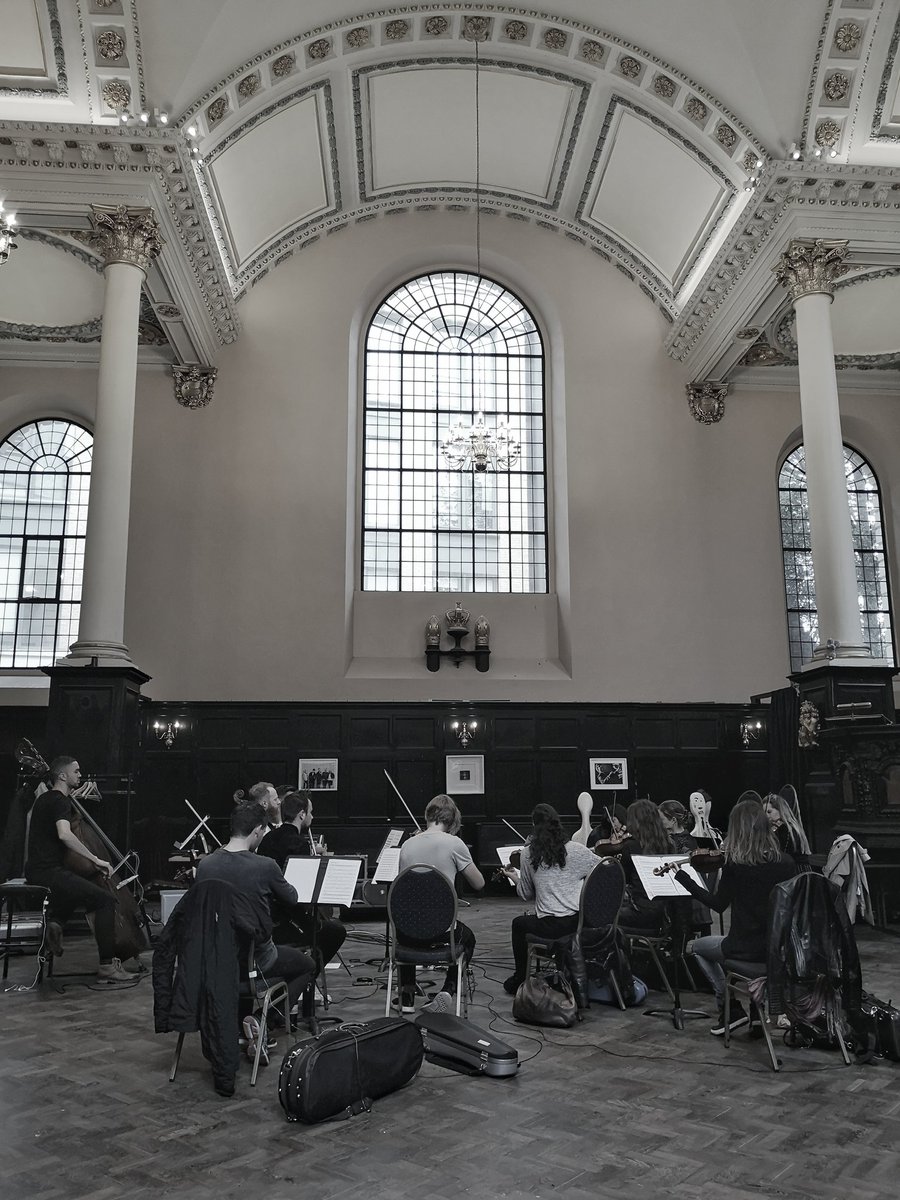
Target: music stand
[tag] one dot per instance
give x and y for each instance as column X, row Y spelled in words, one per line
column 201, row 828
column 325, row 879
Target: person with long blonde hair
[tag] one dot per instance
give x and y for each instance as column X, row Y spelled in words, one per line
column 786, row 826
column 754, row 864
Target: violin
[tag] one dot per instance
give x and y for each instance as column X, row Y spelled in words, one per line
column 700, row 860
column 515, row 860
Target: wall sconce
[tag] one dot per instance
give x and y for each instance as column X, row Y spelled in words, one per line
column 465, row 731
column 750, row 731
column 167, row 732
column 457, row 620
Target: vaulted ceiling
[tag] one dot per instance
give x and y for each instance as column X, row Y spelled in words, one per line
column 658, row 135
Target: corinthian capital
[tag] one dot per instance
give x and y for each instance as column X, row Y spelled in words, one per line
column 126, row 234
column 707, row 401
column 810, row 266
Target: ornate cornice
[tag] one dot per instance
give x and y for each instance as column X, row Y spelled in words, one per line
column 194, row 385
column 707, row 401
column 127, row 234
column 875, row 134
column 810, row 266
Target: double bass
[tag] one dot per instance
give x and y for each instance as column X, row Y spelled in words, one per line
column 130, row 920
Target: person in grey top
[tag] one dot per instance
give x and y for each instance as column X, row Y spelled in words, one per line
column 439, row 846
column 552, row 873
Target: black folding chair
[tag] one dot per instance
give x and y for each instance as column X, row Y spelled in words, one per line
column 422, row 911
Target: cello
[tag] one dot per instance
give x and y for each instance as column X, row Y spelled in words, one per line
column 131, row 935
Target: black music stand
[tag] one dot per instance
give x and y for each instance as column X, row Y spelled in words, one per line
column 679, row 925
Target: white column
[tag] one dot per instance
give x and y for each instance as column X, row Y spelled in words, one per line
column 130, row 240
column 808, row 270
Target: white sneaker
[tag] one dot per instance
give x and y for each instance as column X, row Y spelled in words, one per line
column 442, row 1003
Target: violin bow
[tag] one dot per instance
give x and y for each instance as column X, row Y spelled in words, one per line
column 513, row 828
column 402, row 801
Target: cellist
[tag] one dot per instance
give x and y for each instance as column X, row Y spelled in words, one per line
column 50, row 835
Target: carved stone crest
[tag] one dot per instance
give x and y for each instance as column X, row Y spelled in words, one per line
column 707, row 401
column 194, row 385
column 808, row 730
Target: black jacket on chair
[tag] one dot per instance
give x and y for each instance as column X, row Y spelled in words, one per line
column 810, row 939
column 196, row 971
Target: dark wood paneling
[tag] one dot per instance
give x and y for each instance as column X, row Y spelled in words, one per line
column 370, row 731
column 267, row 731
column 558, row 731
column 605, row 733
column 318, row 731
column 219, row 732
column 414, row 733
column 698, row 733
column 654, row 733
column 515, row 785
column 512, row 732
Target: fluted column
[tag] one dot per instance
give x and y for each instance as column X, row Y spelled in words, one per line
column 808, row 270
column 130, row 240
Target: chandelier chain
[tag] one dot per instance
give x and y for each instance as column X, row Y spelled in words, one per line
column 477, row 163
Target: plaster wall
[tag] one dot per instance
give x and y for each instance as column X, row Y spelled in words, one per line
column 243, row 563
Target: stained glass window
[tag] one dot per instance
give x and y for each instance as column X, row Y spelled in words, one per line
column 45, row 478
column 868, row 542
column 441, row 349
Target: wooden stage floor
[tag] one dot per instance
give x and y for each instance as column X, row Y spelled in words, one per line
column 620, row 1106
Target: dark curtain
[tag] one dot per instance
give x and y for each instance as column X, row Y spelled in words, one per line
column 784, row 753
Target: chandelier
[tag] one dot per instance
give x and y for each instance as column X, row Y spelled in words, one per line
column 7, row 233
column 480, row 448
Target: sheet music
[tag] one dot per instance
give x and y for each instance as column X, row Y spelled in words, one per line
column 662, row 885
column 393, row 839
column 503, row 853
column 340, row 879
column 388, row 866
column 301, row 874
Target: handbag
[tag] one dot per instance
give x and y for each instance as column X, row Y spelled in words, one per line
column 546, row 998
column 882, row 1020
column 342, row 1071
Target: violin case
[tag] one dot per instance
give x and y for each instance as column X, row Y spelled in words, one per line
column 341, row 1071
column 461, row 1046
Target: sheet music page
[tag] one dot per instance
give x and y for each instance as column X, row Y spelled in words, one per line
column 503, row 853
column 340, row 879
column 388, row 866
column 301, row 874
column 662, row 885
column 393, row 839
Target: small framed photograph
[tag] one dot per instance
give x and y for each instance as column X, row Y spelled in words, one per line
column 318, row 774
column 465, row 773
column 609, row 774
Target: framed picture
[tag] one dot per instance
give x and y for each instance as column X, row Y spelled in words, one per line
column 318, row 774
column 465, row 773
column 609, row 774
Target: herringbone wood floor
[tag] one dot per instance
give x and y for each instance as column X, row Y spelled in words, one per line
column 619, row 1106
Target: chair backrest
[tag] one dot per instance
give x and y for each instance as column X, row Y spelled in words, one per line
column 421, row 905
column 602, row 894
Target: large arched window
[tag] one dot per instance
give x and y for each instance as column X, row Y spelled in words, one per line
column 441, row 349
column 868, row 542
column 45, row 476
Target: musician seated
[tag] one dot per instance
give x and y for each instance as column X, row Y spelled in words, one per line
column 674, row 817
column 265, row 794
column 260, row 884
column 290, row 838
column 754, row 864
column 609, row 832
column 439, row 846
column 50, row 836
column 552, row 872
column 646, row 835
column 789, row 833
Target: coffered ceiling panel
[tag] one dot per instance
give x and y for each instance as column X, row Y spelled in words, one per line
column 655, row 193
column 270, row 178
column 22, row 47
column 422, row 125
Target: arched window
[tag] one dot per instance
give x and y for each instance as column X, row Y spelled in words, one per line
column 868, row 543
column 441, row 349
column 45, row 477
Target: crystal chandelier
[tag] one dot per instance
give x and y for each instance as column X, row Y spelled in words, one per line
column 7, row 233
column 480, row 448
column 475, row 446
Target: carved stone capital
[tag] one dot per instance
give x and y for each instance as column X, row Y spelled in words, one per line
column 810, row 266
column 126, row 235
column 707, row 401
column 194, row 385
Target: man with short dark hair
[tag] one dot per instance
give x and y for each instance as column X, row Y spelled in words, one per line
column 49, row 837
column 259, row 883
column 291, row 838
column 439, row 846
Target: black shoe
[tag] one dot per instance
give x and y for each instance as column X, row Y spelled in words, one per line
column 737, row 1018
column 756, row 1030
column 224, row 1084
column 512, row 985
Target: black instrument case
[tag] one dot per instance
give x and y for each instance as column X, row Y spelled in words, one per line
column 461, row 1046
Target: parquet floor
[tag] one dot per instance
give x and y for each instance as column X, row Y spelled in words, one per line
column 619, row 1106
